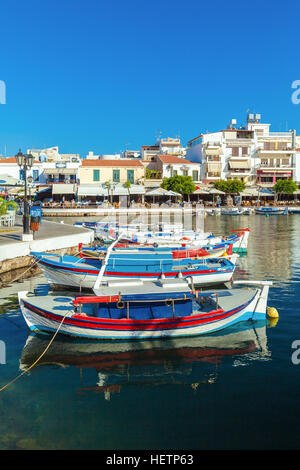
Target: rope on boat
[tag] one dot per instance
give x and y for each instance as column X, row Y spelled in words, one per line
column 37, row 360
column 45, row 350
column 19, row 277
column 30, row 267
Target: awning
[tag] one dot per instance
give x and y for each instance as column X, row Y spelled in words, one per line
column 201, row 191
column 213, row 151
column 114, row 190
column 161, row 192
column 234, row 164
column 7, row 180
column 60, row 171
column 250, row 192
column 63, row 188
column 216, row 191
column 214, row 166
column 120, row 190
column 91, row 190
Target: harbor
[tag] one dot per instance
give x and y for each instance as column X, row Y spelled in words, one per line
column 102, row 376
column 51, row 236
column 149, row 230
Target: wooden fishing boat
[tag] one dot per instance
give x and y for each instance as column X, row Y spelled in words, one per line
column 271, row 211
column 82, row 273
column 135, row 251
column 235, row 211
column 237, row 238
column 138, row 310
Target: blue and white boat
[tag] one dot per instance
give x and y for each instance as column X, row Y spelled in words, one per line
column 238, row 239
column 271, row 210
column 82, row 273
column 136, row 251
column 235, row 211
column 139, row 310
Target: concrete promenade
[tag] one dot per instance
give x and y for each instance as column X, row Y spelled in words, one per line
column 51, row 236
column 104, row 211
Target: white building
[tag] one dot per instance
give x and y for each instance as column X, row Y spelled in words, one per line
column 171, row 146
column 52, row 154
column 9, row 166
column 251, row 153
column 172, row 165
column 167, row 146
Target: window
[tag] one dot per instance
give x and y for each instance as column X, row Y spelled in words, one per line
column 130, row 176
column 116, row 176
column 174, row 172
column 35, row 175
column 235, row 151
column 96, row 175
column 185, row 172
column 195, row 175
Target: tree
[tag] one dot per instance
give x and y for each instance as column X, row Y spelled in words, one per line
column 179, row 184
column 285, row 186
column 234, row 186
column 5, row 205
column 127, row 185
column 107, row 184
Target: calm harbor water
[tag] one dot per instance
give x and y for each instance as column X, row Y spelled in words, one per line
column 235, row 390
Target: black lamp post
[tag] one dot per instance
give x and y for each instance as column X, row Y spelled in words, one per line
column 25, row 162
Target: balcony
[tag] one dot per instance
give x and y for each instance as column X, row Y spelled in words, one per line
column 275, row 153
column 275, row 167
column 213, row 175
column 277, row 135
column 239, row 142
column 239, row 173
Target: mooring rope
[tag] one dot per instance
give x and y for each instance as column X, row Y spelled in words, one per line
column 37, row 360
column 45, row 350
column 17, row 278
column 31, row 266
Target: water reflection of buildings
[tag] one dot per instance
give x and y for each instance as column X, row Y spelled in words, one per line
column 185, row 362
column 270, row 247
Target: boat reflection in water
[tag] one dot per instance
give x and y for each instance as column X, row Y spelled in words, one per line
column 184, row 361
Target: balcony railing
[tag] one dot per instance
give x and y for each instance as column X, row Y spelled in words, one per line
column 275, row 167
column 275, row 152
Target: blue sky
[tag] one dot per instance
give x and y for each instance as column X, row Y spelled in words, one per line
column 93, row 75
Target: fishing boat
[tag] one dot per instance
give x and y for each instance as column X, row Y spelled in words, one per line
column 109, row 230
column 271, row 210
column 238, row 239
column 82, row 273
column 139, row 310
column 235, row 211
column 134, row 251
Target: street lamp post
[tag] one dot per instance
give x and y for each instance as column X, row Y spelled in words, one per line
column 25, row 162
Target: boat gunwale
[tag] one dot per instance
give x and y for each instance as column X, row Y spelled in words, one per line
column 83, row 321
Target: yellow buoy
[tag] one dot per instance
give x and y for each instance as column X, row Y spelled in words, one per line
column 272, row 312
column 272, row 322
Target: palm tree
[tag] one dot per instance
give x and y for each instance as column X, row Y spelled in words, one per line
column 107, row 184
column 5, row 205
column 127, row 185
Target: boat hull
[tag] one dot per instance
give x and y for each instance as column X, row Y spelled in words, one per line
column 39, row 319
column 86, row 280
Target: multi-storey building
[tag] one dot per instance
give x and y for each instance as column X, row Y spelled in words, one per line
column 9, row 167
column 165, row 166
column 168, row 146
column 115, row 171
column 251, row 153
